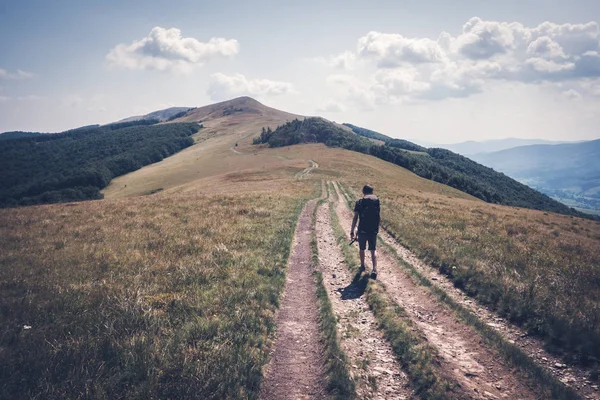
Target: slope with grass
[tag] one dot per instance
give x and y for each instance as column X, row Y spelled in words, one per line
column 225, row 125
column 164, row 296
column 440, row 165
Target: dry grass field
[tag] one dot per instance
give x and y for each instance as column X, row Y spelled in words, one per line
column 538, row 269
column 163, row 296
column 172, row 295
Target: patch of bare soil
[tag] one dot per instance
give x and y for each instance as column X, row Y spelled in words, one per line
column 479, row 370
column 373, row 366
column 574, row 376
column 295, row 370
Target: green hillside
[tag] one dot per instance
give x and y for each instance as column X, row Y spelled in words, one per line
column 439, row 165
column 77, row 164
column 399, row 143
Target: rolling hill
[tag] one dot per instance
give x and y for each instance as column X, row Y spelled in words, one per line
column 225, row 124
column 439, row 165
column 569, row 172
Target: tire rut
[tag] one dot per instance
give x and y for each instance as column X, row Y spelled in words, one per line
column 373, row 365
column 296, row 368
column 475, row 367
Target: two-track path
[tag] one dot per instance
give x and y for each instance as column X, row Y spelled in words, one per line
column 476, row 368
column 376, row 372
column 296, row 368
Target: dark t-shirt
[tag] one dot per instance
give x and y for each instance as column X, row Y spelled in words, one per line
column 368, row 214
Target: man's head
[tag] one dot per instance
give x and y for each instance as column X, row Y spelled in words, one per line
column 367, row 189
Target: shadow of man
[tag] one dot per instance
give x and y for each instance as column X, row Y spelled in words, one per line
column 356, row 288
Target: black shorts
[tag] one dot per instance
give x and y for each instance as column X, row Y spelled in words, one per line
column 363, row 238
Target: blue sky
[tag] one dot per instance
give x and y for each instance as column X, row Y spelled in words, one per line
column 438, row 71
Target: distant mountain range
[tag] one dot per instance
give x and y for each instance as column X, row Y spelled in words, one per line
column 569, row 172
column 471, row 147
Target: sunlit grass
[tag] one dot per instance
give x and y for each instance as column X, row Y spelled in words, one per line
column 538, row 269
column 163, row 296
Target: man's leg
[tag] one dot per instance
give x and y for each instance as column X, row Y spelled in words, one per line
column 362, row 245
column 374, row 259
column 372, row 248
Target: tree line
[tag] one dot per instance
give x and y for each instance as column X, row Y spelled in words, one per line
column 75, row 165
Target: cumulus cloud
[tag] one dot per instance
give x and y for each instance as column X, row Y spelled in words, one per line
column 332, row 106
column 166, row 49
column 18, row 74
column 362, row 94
column 464, row 64
column 484, row 39
column 394, row 50
column 222, row 87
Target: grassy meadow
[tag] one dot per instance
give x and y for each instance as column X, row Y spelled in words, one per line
column 541, row 270
column 165, row 296
column 173, row 295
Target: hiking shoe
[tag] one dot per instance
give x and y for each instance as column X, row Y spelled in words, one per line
column 374, row 275
column 361, row 268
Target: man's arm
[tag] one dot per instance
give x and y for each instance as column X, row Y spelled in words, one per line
column 354, row 220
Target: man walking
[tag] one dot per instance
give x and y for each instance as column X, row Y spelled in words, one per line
column 366, row 211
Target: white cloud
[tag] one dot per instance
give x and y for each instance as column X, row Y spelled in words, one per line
column 545, row 47
column 548, row 66
column 355, row 90
column 343, row 61
column 485, row 39
column 4, row 99
column 166, row 49
column 19, row 74
column 465, row 64
column 222, row 87
column 332, row 106
column 393, row 50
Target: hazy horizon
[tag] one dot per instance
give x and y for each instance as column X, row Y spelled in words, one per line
column 439, row 72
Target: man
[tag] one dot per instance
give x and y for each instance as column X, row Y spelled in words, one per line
column 366, row 211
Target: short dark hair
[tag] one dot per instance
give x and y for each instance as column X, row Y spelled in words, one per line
column 367, row 189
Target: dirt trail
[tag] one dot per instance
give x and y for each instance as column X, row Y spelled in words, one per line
column 304, row 173
column 479, row 370
column 374, row 368
column 295, row 370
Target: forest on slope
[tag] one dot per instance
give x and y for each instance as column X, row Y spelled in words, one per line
column 439, row 165
column 75, row 165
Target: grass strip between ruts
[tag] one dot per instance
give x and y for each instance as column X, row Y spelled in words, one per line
column 551, row 387
column 339, row 383
column 416, row 356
